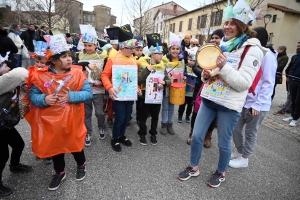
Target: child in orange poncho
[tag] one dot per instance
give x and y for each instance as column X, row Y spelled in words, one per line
column 57, row 118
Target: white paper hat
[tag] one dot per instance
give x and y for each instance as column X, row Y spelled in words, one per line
column 175, row 40
column 192, row 52
column 5, row 58
column 241, row 11
column 57, row 43
column 88, row 33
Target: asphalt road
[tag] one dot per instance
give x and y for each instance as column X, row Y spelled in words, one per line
column 149, row 172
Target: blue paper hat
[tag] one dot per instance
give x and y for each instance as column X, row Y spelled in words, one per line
column 40, row 48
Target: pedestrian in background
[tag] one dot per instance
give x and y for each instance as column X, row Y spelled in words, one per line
column 14, row 34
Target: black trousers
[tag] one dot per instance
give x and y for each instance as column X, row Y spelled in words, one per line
column 12, row 138
column 138, row 106
column 294, row 88
column 154, row 110
column 59, row 160
column 189, row 103
column 211, row 126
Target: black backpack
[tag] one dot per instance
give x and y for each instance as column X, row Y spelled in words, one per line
column 9, row 109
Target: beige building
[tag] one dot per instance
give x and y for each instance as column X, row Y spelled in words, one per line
column 283, row 27
column 162, row 15
column 146, row 24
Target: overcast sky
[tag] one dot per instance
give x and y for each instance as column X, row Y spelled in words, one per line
column 117, row 6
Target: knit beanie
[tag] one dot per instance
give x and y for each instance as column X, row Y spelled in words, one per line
column 218, row 32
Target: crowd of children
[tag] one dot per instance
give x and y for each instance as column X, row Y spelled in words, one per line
column 64, row 86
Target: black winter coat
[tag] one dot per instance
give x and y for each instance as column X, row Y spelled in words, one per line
column 6, row 44
column 28, row 37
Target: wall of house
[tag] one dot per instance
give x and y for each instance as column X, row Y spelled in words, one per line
column 285, row 29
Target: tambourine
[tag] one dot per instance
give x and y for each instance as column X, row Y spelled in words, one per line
column 207, row 55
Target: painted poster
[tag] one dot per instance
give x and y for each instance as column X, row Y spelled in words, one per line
column 124, row 79
column 93, row 73
column 154, row 93
column 190, row 85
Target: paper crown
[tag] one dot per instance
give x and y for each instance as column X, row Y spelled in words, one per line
column 175, row 40
column 5, row 58
column 40, row 48
column 113, row 34
column 57, row 43
column 154, row 43
column 104, row 45
column 240, row 11
column 139, row 41
column 88, row 33
column 192, row 52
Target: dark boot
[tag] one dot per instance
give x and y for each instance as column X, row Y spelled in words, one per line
column 170, row 129
column 20, row 168
column 115, row 144
column 163, row 129
column 207, row 140
column 189, row 140
column 4, row 191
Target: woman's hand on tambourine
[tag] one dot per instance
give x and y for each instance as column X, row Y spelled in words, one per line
column 221, row 60
column 206, row 74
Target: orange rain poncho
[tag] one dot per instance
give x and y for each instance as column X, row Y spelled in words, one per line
column 60, row 128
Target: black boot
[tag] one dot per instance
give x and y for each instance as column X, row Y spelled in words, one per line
column 20, row 168
column 4, row 191
column 115, row 145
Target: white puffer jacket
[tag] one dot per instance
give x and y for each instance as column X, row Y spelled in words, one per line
column 17, row 40
column 241, row 80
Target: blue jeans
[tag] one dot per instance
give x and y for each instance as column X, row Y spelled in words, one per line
column 19, row 60
column 167, row 110
column 122, row 111
column 227, row 120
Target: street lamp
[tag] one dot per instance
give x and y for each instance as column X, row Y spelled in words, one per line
column 267, row 19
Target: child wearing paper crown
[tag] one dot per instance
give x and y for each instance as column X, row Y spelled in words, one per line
column 175, row 69
column 123, row 108
column 148, row 65
column 41, row 56
column 57, row 116
column 137, row 54
column 90, row 44
column 224, row 98
column 191, row 81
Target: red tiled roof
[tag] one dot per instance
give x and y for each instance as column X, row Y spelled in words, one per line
column 169, row 12
column 283, row 9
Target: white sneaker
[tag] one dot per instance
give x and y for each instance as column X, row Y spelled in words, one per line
column 238, row 162
column 88, row 140
column 287, row 119
column 102, row 133
column 293, row 123
column 234, row 156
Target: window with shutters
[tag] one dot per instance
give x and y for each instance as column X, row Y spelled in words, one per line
column 203, row 21
column 180, row 26
column 198, row 22
column 190, row 24
column 212, row 17
column 218, row 18
column 173, row 28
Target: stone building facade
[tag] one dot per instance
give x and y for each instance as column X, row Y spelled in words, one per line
column 100, row 17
